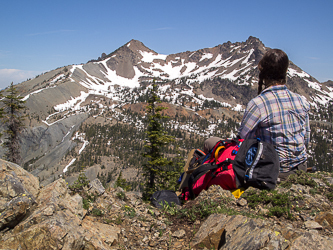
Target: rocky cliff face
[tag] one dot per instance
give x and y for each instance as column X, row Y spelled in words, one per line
column 297, row 215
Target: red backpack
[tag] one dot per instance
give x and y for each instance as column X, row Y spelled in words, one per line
column 215, row 169
column 255, row 163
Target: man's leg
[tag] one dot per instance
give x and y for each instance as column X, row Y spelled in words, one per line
column 210, row 143
column 284, row 176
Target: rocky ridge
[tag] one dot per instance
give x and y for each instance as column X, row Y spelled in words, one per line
column 297, row 215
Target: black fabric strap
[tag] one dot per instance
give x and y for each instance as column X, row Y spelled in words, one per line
column 203, row 170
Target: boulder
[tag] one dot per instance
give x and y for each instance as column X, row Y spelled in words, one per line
column 56, row 223
column 312, row 240
column 96, row 187
column 325, row 216
column 236, row 232
column 18, row 191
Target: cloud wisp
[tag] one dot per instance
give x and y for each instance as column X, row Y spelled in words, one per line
column 7, row 76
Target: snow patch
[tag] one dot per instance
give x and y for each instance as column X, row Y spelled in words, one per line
column 238, row 108
column 149, row 56
column 313, row 85
column 206, row 56
column 293, row 72
column 71, row 163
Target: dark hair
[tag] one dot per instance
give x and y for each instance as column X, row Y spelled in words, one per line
column 273, row 68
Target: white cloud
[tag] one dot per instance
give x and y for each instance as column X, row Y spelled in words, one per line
column 7, row 76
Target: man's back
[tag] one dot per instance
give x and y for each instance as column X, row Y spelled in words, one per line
column 280, row 117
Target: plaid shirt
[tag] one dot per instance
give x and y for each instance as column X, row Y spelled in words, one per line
column 280, row 117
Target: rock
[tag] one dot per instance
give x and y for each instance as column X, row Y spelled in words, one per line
column 263, row 210
column 236, row 232
column 75, row 205
column 325, row 216
column 18, row 190
column 197, row 222
column 210, row 232
column 179, row 234
column 152, row 243
column 312, row 225
column 57, row 222
column 241, row 202
column 100, row 232
column 134, row 198
column 329, row 180
column 325, row 223
column 298, row 189
column 312, row 241
column 96, row 187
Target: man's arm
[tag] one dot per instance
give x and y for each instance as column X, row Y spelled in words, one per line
column 250, row 121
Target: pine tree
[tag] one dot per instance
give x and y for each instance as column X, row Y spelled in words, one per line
column 13, row 122
column 155, row 170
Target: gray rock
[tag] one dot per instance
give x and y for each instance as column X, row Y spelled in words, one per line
column 236, row 232
column 329, row 180
column 57, row 222
column 134, row 198
column 310, row 224
column 241, row 202
column 96, row 186
column 179, row 234
column 312, row 241
column 17, row 194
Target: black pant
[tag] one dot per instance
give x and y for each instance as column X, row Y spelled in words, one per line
column 303, row 167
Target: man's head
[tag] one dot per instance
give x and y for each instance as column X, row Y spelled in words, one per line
column 273, row 68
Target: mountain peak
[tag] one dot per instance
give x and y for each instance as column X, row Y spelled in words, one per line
column 136, row 45
column 254, row 40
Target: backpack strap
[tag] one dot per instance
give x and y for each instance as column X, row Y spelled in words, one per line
column 197, row 174
column 249, row 170
column 217, row 152
column 203, row 170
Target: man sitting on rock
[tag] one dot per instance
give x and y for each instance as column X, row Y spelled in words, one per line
column 277, row 115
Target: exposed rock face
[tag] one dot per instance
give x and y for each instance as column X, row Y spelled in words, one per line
column 18, row 190
column 221, row 231
column 56, row 222
column 54, row 218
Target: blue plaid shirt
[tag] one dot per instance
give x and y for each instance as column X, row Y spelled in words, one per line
column 280, row 117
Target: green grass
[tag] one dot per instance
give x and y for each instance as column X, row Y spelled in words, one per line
column 129, row 211
column 97, row 212
column 300, row 177
column 203, row 209
column 278, row 204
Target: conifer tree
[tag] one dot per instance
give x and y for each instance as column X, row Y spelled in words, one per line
column 13, row 123
column 155, row 170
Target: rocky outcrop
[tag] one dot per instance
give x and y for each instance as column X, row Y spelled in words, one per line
column 57, row 221
column 54, row 217
column 18, row 190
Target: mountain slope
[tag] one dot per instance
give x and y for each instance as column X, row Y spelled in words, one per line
column 204, row 90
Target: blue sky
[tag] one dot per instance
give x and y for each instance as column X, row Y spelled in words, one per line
column 38, row 36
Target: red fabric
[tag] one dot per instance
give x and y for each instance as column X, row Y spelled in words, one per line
column 226, row 179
